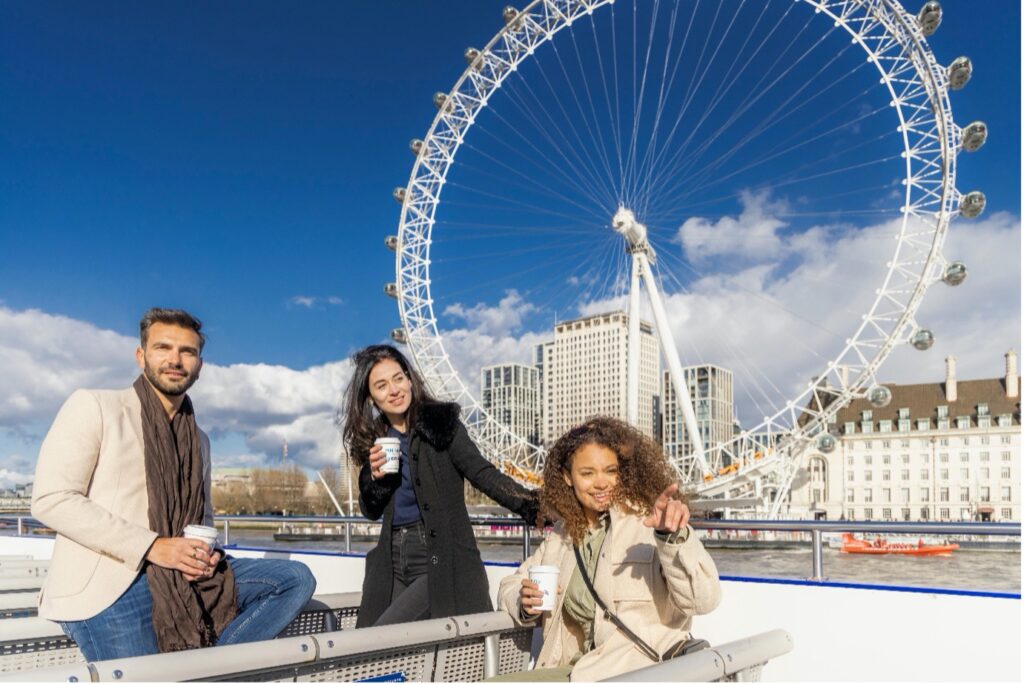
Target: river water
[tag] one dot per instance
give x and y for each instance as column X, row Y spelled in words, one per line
column 984, row 570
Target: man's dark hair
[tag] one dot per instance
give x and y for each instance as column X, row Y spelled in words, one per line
column 178, row 317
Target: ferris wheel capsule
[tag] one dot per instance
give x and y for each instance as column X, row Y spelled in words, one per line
column 974, row 136
column 922, row 339
column 440, row 99
column 826, row 443
column 398, row 335
column 958, row 73
column 879, row 396
column 471, row 55
column 972, row 204
column 509, row 14
column 391, row 290
column 930, row 17
column 416, row 146
column 955, row 274
column 391, row 242
column 399, row 194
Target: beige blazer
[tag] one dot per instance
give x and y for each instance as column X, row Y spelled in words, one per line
column 90, row 487
column 655, row 588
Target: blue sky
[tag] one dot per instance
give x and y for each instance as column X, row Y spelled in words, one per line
column 237, row 160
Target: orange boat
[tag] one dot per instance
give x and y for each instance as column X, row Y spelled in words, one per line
column 881, row 547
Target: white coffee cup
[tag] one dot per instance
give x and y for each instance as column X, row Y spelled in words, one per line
column 202, row 533
column 546, row 579
column 392, row 453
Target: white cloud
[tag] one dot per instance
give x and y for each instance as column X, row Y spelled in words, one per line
column 308, row 302
column 753, row 235
column 45, row 357
column 499, row 320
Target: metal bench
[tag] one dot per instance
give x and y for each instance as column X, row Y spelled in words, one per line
column 736, row 661
column 30, row 643
column 466, row 648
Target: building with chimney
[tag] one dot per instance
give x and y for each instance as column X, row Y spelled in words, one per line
column 583, row 373
column 941, row 451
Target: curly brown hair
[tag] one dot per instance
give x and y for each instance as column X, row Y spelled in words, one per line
column 644, row 472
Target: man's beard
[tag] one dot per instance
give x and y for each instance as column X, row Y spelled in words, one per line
column 167, row 388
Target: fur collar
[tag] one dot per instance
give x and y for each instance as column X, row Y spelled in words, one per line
column 437, row 423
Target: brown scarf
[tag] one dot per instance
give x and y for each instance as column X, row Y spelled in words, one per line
column 185, row 614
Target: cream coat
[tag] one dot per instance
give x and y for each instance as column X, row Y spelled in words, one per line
column 655, row 589
column 90, row 487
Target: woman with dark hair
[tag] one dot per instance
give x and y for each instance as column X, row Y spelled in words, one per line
column 623, row 524
column 426, row 563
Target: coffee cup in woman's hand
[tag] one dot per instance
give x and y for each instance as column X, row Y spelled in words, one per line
column 377, row 461
column 668, row 514
column 530, row 598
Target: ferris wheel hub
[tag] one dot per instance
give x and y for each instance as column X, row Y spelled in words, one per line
column 635, row 233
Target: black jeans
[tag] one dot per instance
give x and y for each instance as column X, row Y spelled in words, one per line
column 410, row 598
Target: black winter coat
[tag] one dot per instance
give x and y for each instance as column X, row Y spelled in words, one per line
column 442, row 457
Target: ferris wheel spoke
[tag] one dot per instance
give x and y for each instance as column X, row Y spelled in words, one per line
column 545, row 169
column 720, row 94
column 527, row 182
column 711, row 60
column 612, row 119
column 594, row 165
column 597, row 139
column 593, row 174
column 698, row 154
column 638, row 99
column 585, row 184
column 774, row 118
column 666, row 82
column 754, row 95
column 487, row 231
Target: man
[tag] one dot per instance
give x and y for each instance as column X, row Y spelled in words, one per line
column 120, row 474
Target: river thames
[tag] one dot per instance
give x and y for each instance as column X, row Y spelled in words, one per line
column 982, row 570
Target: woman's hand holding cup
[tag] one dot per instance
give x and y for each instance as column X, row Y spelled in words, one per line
column 530, row 597
column 377, row 460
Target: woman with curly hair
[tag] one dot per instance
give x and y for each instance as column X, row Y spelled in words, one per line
column 619, row 516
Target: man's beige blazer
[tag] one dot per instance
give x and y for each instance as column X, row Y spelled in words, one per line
column 90, row 487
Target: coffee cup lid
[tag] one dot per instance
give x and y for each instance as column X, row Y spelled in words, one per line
column 387, row 440
column 544, row 569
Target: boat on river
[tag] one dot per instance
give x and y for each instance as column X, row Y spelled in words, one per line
column 881, row 547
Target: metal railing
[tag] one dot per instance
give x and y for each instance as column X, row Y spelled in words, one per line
column 815, row 528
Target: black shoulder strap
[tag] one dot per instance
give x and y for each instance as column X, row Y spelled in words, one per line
column 640, row 643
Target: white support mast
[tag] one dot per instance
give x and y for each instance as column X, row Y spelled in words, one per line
column 624, row 222
column 633, row 346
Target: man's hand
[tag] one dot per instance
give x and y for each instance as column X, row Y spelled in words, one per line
column 669, row 514
column 377, row 460
column 190, row 557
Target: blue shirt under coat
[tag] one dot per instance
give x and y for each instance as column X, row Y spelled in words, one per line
column 407, row 508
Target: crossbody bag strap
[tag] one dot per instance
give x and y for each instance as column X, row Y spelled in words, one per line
column 640, row 643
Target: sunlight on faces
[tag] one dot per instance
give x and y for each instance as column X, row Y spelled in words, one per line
column 593, row 478
column 171, row 360
column 390, row 389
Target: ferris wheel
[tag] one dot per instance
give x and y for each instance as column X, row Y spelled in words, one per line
column 712, row 154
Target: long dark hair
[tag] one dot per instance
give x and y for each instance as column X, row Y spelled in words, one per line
column 363, row 423
column 644, row 472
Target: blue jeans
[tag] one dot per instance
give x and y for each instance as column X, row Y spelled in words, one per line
column 270, row 594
